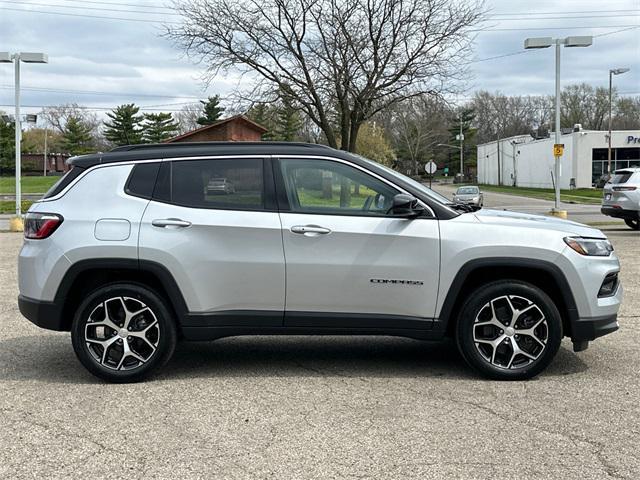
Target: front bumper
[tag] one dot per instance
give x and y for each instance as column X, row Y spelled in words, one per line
column 587, row 329
column 44, row 314
column 620, row 213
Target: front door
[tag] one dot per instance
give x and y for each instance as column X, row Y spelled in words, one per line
column 349, row 262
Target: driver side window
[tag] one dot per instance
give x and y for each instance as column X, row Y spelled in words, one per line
column 324, row 186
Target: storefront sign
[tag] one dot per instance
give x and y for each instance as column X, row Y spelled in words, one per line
column 632, row 139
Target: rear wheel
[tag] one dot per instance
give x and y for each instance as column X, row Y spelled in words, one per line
column 633, row 223
column 509, row 330
column 122, row 332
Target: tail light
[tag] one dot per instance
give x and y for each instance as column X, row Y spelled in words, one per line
column 624, row 189
column 41, row 225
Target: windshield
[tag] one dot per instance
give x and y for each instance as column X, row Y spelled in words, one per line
column 417, row 185
column 467, row 190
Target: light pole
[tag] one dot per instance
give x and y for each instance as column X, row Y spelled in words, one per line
column 546, row 42
column 615, row 71
column 16, row 58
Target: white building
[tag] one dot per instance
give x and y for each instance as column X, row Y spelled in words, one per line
column 525, row 162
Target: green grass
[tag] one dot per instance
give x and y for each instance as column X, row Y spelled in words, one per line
column 9, row 206
column 579, row 195
column 29, row 184
column 314, row 198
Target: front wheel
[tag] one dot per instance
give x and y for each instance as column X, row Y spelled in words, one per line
column 122, row 332
column 509, row 330
column 633, row 223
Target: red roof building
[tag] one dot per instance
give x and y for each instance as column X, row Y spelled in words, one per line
column 233, row 129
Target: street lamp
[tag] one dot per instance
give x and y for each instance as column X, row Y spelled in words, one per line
column 546, row 42
column 612, row 72
column 16, row 58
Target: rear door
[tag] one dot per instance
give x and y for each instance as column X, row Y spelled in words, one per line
column 349, row 262
column 622, row 191
column 213, row 224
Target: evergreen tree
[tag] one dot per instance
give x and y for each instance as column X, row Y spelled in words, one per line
column 264, row 115
column 76, row 138
column 288, row 121
column 7, row 146
column 212, row 111
column 158, row 127
column 125, row 125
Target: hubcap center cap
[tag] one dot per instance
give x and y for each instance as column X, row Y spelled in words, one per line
column 123, row 333
column 509, row 331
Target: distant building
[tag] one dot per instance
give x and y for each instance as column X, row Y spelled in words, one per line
column 233, row 129
column 32, row 163
column 526, row 162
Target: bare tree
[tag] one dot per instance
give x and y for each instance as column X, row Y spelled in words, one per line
column 584, row 104
column 416, row 126
column 627, row 113
column 58, row 116
column 342, row 61
column 187, row 117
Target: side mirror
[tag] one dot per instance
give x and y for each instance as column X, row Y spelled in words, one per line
column 405, row 205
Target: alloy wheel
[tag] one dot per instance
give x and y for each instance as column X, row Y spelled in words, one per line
column 510, row 332
column 122, row 333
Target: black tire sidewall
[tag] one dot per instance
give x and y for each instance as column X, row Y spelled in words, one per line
column 478, row 299
column 633, row 224
column 166, row 344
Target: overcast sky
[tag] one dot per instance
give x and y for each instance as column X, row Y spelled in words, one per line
column 128, row 61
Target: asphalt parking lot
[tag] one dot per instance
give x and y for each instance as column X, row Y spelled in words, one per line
column 319, row 407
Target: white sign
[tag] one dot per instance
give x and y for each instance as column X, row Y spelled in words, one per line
column 430, row 168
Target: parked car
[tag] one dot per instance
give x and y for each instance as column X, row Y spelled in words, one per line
column 218, row 186
column 621, row 197
column 470, row 195
column 129, row 254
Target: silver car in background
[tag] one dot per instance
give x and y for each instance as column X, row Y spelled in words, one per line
column 621, row 197
column 469, row 195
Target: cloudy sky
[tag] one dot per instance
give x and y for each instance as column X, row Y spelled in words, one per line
column 103, row 62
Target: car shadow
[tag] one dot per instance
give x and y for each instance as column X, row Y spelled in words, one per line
column 50, row 359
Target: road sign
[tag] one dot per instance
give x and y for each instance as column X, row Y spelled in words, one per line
column 558, row 149
column 430, row 168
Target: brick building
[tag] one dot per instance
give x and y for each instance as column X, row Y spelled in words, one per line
column 234, row 129
column 32, row 163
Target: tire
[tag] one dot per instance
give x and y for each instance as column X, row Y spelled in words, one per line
column 633, row 223
column 499, row 348
column 110, row 350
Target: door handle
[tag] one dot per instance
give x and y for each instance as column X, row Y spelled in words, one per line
column 312, row 229
column 170, row 222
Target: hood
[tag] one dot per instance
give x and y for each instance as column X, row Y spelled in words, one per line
column 526, row 220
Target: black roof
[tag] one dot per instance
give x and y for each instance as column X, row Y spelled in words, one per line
column 197, row 149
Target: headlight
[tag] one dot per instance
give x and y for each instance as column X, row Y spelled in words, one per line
column 593, row 247
column 476, row 199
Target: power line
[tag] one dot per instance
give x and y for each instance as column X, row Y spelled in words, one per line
column 177, row 23
column 93, row 92
column 146, row 12
column 572, row 12
column 111, row 4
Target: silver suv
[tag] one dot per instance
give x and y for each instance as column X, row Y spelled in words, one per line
column 621, row 197
column 129, row 252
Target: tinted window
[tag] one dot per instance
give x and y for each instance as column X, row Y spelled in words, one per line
column 621, row 177
column 322, row 186
column 229, row 183
column 62, row 183
column 142, row 179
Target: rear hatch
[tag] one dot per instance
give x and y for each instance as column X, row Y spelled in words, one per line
column 622, row 191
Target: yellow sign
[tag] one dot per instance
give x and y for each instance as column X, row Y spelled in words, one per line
column 558, row 149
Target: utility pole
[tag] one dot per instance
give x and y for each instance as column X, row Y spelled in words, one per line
column 461, row 138
column 615, row 71
column 499, row 167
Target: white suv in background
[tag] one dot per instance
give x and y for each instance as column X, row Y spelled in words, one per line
column 132, row 250
column 621, row 197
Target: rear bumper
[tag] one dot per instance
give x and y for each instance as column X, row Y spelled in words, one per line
column 620, row 213
column 44, row 314
column 587, row 329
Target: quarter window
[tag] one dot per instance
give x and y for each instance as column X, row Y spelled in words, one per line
column 323, row 186
column 235, row 184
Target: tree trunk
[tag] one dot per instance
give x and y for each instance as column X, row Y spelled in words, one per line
column 345, row 192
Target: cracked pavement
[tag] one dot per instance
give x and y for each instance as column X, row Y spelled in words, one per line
column 319, row 407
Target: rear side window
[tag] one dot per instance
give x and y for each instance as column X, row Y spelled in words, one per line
column 142, row 179
column 621, row 177
column 62, row 183
column 236, row 184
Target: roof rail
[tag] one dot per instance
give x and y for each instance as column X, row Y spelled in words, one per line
column 173, row 146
